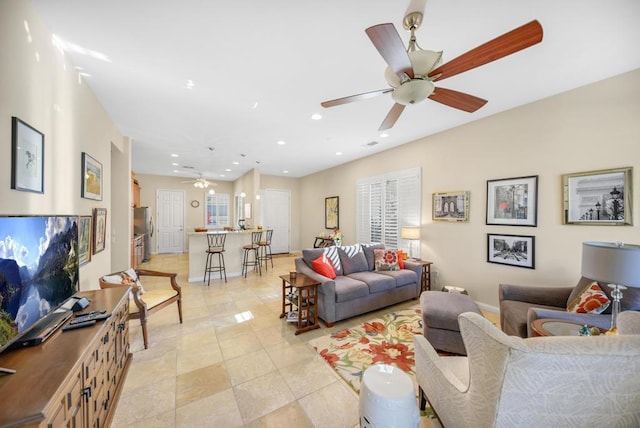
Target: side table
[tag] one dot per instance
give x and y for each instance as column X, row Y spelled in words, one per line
column 426, row 275
column 300, row 301
column 557, row 327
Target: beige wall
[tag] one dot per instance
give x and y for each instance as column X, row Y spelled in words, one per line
column 591, row 128
column 39, row 85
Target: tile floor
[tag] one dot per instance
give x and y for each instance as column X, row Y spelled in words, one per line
column 233, row 362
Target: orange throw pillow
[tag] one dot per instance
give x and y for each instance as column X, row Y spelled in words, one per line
column 324, row 267
column 401, row 259
column 592, row 300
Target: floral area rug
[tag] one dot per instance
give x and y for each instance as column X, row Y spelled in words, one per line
column 386, row 340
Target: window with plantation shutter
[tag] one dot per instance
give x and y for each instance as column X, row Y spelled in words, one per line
column 385, row 204
column 217, row 210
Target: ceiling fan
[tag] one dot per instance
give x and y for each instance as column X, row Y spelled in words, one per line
column 411, row 72
column 201, row 182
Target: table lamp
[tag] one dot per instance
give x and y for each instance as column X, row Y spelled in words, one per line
column 411, row 233
column 614, row 263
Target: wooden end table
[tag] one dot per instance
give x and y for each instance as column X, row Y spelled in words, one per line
column 425, row 280
column 557, row 327
column 300, row 297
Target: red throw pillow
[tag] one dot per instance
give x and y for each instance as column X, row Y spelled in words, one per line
column 324, row 267
column 401, row 259
column 592, row 300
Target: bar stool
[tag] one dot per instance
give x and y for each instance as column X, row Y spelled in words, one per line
column 256, row 237
column 265, row 249
column 216, row 247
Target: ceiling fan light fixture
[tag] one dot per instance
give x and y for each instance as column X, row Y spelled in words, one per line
column 413, row 91
column 422, row 61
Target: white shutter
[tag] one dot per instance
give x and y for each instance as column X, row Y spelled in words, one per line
column 217, row 210
column 385, row 204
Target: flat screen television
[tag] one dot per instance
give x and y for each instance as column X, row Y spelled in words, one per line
column 39, row 271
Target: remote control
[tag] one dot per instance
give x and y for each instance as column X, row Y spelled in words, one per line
column 78, row 325
column 97, row 316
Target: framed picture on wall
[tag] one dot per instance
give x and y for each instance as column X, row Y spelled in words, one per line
column 84, row 239
column 451, row 206
column 99, row 229
column 27, row 157
column 91, row 178
column 513, row 250
column 513, row 201
column 602, row 198
column 331, row 213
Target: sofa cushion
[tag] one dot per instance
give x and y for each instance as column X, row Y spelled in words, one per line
column 630, row 297
column 310, row 254
column 323, row 266
column 402, row 277
column 348, row 288
column 375, row 281
column 352, row 259
column 592, row 300
column 368, row 253
column 386, row 259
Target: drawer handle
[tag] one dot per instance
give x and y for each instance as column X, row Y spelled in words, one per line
column 86, row 393
column 121, row 326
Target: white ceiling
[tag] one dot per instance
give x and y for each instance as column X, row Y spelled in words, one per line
column 288, row 56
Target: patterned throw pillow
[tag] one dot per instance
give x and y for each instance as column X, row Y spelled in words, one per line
column 592, row 300
column 324, row 267
column 386, row 259
column 332, row 254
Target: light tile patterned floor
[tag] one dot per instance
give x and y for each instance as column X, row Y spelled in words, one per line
column 233, row 362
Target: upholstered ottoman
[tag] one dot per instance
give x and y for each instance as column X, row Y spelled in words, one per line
column 440, row 312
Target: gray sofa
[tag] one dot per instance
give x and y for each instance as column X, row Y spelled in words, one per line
column 357, row 288
column 522, row 304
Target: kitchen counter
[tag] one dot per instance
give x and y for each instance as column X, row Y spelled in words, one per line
column 233, row 253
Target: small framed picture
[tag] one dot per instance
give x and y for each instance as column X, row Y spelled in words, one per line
column 513, row 250
column 513, row 201
column 451, row 206
column 84, row 239
column 99, row 229
column 602, row 198
column 331, row 212
column 27, row 157
column 91, row 178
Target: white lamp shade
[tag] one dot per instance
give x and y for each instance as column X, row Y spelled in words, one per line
column 611, row 263
column 410, row 232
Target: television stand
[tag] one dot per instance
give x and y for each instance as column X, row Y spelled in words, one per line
column 73, row 379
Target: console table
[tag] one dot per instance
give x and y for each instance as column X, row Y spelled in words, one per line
column 75, row 377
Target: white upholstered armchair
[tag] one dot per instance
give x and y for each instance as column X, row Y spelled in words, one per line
column 507, row 381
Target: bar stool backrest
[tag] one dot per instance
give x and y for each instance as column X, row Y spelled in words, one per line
column 216, row 240
column 256, row 237
column 269, row 233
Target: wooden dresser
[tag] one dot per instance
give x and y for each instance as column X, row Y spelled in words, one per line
column 74, row 379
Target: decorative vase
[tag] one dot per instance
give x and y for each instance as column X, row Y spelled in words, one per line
column 338, row 242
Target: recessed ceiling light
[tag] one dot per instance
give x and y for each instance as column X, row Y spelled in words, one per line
column 285, row 172
column 175, row 163
column 384, row 135
column 281, row 143
column 338, row 153
column 221, row 175
column 173, row 155
column 254, row 106
column 236, row 163
column 190, row 84
column 175, row 170
column 316, row 116
column 228, row 170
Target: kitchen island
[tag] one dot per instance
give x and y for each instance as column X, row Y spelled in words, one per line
column 233, row 253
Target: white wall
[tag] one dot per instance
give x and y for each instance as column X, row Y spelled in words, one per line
column 591, row 128
column 41, row 87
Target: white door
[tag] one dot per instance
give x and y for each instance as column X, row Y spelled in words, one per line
column 170, row 219
column 276, row 208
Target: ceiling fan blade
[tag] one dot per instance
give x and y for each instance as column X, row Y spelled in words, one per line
column 353, row 98
column 392, row 117
column 456, row 99
column 511, row 42
column 388, row 42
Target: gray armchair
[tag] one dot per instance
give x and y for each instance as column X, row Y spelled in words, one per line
column 521, row 304
column 508, row 381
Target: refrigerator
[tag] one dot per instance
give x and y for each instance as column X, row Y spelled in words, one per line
column 143, row 225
